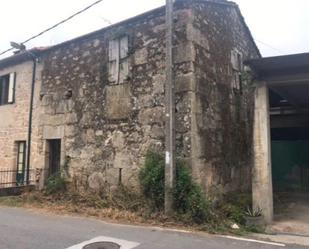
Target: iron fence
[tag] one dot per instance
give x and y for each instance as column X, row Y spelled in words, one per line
column 14, row 178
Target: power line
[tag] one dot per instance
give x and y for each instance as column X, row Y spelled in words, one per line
column 56, row 25
column 267, row 45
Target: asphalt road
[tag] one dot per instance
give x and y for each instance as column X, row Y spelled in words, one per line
column 22, row 229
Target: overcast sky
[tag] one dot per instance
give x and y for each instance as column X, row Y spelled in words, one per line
column 278, row 26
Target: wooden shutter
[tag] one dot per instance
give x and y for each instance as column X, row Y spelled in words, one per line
column 113, row 50
column 124, row 47
column 11, row 88
column 113, row 57
column 124, row 65
column 124, row 70
column 118, row 61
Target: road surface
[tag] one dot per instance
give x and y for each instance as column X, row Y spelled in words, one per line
column 23, row 229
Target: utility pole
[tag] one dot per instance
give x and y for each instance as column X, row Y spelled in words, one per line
column 169, row 112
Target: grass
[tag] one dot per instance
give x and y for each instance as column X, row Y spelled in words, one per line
column 88, row 206
column 14, row 201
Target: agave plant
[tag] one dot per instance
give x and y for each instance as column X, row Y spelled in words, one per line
column 254, row 212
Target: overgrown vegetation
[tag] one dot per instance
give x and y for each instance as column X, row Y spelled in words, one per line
column 152, row 180
column 190, row 203
column 234, row 206
column 55, row 184
column 189, row 200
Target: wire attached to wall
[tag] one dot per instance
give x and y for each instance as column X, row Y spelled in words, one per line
column 56, row 25
column 267, row 45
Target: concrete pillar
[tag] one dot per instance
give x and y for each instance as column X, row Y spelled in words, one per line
column 262, row 189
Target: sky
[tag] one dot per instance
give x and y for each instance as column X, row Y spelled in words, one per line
column 278, row 26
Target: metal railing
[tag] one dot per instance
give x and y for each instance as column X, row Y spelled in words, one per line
column 14, row 178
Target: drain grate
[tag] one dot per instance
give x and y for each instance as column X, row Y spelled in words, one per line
column 102, row 245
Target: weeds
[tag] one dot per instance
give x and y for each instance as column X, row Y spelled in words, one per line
column 190, row 203
column 189, row 200
column 14, row 201
column 234, row 205
column 152, row 180
column 55, row 184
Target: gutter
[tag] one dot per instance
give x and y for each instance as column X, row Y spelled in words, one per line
column 35, row 60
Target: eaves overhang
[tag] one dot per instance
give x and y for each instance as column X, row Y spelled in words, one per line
column 279, row 66
column 21, row 57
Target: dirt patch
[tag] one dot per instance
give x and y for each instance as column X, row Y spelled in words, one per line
column 291, row 214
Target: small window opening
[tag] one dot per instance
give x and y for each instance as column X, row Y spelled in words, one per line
column 7, row 89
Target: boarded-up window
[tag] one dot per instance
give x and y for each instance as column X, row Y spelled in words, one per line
column 237, row 68
column 118, row 101
column 118, row 60
column 7, row 89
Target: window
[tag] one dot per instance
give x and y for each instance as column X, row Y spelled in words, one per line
column 118, row 60
column 7, row 89
column 237, row 67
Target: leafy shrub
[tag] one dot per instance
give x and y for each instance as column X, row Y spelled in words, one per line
column 235, row 205
column 152, row 179
column 55, row 184
column 188, row 196
column 233, row 212
column 189, row 199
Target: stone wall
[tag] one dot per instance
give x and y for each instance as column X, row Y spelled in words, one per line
column 223, row 115
column 107, row 128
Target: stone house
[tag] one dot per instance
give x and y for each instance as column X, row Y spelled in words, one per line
column 99, row 99
column 16, row 73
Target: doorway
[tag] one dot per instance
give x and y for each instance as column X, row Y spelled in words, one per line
column 21, row 163
column 54, row 156
column 289, row 124
column 281, row 140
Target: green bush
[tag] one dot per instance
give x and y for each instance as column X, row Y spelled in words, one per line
column 55, row 184
column 152, row 179
column 235, row 205
column 189, row 199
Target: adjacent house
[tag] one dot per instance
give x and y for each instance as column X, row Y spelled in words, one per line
column 16, row 75
column 98, row 100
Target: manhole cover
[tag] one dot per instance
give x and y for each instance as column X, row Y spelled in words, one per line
column 102, row 245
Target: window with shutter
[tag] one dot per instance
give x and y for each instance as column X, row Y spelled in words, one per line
column 7, row 89
column 118, row 60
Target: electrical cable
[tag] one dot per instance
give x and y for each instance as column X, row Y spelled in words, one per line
column 267, row 45
column 56, row 25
